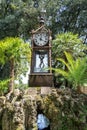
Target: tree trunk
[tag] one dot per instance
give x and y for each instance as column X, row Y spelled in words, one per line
column 11, row 84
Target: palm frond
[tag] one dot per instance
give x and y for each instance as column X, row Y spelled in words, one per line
column 60, row 71
column 76, row 72
column 70, row 59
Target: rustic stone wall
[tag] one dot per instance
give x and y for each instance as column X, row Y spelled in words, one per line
column 18, row 111
column 66, row 109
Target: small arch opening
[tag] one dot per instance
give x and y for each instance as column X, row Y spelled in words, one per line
column 43, row 123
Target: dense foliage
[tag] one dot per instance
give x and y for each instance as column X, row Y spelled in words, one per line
column 12, row 51
column 20, row 17
column 68, row 42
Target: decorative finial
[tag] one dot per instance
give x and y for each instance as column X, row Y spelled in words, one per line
column 41, row 20
column 36, row 5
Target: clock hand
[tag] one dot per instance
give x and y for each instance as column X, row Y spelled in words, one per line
column 40, row 39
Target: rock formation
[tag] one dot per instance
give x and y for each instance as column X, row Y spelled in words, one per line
column 65, row 108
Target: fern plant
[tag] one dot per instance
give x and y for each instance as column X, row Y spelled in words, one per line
column 76, row 70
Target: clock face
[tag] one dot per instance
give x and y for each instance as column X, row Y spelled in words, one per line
column 41, row 39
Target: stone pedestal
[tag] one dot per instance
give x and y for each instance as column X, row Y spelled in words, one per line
column 46, row 90
column 38, row 80
column 31, row 91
